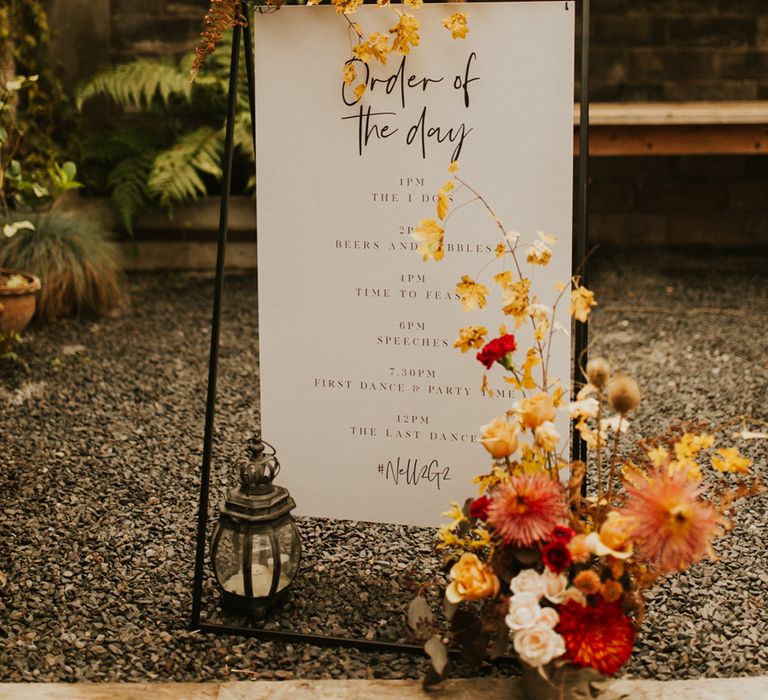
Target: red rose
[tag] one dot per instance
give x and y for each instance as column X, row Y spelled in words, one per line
column 561, row 532
column 479, row 508
column 556, row 555
column 496, row 350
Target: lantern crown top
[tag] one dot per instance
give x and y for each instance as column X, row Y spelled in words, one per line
column 256, row 498
column 259, row 467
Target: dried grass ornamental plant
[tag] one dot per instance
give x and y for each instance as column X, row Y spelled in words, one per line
column 535, row 568
column 364, row 46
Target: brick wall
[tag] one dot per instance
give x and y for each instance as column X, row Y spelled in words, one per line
column 155, row 28
column 706, row 200
column 642, row 50
column 671, row 50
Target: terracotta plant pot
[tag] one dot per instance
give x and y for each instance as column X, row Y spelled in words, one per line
column 17, row 302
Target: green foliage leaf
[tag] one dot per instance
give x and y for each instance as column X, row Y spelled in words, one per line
column 176, row 173
column 130, row 192
column 137, row 84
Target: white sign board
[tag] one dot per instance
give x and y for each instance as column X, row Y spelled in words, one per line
column 373, row 412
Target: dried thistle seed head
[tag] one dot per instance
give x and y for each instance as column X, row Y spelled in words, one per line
column 598, row 372
column 623, row 394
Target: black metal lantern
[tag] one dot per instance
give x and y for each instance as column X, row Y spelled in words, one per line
column 255, row 546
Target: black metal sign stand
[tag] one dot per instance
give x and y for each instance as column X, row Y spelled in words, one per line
column 242, row 35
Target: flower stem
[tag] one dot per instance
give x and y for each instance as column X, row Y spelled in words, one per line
column 614, row 462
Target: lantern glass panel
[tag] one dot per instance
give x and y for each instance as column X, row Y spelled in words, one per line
column 290, row 553
column 261, row 564
column 229, row 561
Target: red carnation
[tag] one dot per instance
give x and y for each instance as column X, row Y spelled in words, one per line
column 496, row 350
column 561, row 532
column 598, row 635
column 479, row 508
column 556, row 555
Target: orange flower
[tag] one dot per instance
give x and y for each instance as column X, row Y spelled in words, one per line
column 471, row 579
column 579, row 550
column 588, row 582
column 598, row 635
column 525, row 509
column 612, row 590
column 672, row 527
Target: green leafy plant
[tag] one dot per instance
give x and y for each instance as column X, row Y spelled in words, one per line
column 8, row 354
column 77, row 263
column 167, row 149
column 39, row 118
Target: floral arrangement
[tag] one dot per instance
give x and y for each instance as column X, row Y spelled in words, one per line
column 365, row 46
column 535, row 565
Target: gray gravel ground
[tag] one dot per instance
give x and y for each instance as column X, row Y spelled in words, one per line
column 101, row 446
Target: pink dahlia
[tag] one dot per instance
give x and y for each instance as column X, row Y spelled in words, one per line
column 525, row 509
column 671, row 525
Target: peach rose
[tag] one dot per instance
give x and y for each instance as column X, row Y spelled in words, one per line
column 613, row 538
column 536, row 410
column 471, row 580
column 499, row 437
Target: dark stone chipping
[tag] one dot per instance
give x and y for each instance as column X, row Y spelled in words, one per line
column 101, row 449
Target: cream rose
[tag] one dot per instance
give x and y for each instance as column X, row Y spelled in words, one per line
column 549, row 618
column 524, row 612
column 584, row 408
column 528, row 581
column 538, row 646
column 547, row 436
column 471, row 580
column 575, row 594
column 554, row 586
column 499, row 437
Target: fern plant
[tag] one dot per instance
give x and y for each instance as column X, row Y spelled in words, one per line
column 168, row 147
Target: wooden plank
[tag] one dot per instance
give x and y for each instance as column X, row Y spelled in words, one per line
column 755, row 688
column 109, row 691
column 676, row 140
column 675, row 113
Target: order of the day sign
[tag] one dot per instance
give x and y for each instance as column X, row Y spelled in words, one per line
column 373, row 412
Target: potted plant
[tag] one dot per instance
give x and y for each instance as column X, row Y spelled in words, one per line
column 17, row 301
column 67, row 258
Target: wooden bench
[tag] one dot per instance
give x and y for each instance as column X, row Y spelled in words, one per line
column 676, row 128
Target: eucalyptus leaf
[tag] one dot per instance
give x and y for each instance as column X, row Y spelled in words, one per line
column 3, row 135
column 419, row 614
column 449, row 609
column 438, row 654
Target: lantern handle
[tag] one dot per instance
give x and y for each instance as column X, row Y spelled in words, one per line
column 272, row 452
